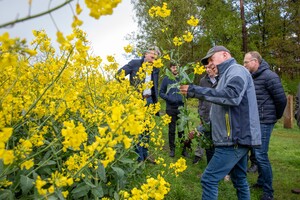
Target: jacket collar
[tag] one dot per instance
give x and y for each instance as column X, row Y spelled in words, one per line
column 224, row 65
column 262, row 67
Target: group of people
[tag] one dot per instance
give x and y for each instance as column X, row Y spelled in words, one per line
column 240, row 103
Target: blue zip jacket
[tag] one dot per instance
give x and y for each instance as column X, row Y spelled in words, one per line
column 234, row 114
column 133, row 67
column 173, row 98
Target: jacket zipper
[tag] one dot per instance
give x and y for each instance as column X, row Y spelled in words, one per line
column 227, row 124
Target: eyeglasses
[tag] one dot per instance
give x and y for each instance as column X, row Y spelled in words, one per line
column 246, row 62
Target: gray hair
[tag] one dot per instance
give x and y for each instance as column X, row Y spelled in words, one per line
column 256, row 55
column 154, row 48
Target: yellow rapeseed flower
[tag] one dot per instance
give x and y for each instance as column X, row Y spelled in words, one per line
column 27, row 164
column 188, row 37
column 128, row 48
column 5, row 134
column 166, row 119
column 177, row 41
column 158, row 63
column 193, row 21
column 198, row 69
column 179, row 166
column 39, row 184
column 167, row 57
column 78, row 9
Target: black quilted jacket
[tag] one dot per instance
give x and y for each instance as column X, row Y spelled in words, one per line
column 271, row 99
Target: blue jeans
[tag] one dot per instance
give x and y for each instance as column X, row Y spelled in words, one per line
column 143, row 138
column 226, row 160
column 265, row 175
column 142, row 151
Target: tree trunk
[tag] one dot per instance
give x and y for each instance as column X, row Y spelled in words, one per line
column 288, row 115
column 244, row 30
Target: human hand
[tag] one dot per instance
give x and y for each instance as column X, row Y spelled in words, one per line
column 184, row 89
column 191, row 135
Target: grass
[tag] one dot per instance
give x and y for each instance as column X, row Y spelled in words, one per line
column 284, row 154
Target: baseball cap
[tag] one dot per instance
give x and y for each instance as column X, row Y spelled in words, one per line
column 211, row 52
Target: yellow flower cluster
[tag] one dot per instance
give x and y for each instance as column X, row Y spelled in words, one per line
column 177, row 41
column 193, row 21
column 56, row 182
column 167, row 57
column 6, row 155
column 101, row 7
column 179, row 166
column 158, row 63
column 188, row 37
column 199, row 69
column 153, row 189
column 166, row 119
column 67, row 108
column 74, row 136
column 128, row 48
column 157, row 11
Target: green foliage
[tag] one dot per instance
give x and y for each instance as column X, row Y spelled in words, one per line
column 272, row 29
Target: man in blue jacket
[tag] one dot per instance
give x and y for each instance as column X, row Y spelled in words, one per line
column 150, row 94
column 173, row 101
column 234, row 122
column 271, row 101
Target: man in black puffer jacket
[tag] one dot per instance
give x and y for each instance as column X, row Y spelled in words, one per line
column 271, row 102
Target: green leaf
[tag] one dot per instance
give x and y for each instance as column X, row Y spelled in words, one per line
column 1, row 165
column 174, row 85
column 98, row 191
column 6, row 194
column 120, row 172
column 170, row 75
column 191, row 77
column 88, row 182
column 81, row 190
column 26, row 184
column 126, row 160
column 101, row 172
column 116, row 196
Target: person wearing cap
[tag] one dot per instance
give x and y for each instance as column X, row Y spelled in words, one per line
column 149, row 94
column 271, row 101
column 234, row 122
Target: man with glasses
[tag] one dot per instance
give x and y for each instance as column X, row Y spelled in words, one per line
column 271, row 101
column 149, row 94
column 234, row 122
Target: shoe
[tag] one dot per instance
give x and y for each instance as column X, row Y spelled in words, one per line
column 172, row 153
column 227, row 178
column 185, row 153
column 196, row 159
column 256, row 186
column 266, row 197
column 296, row 191
column 252, row 169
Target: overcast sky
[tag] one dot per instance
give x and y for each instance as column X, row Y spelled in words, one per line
column 107, row 34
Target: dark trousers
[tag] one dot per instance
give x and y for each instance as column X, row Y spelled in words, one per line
column 173, row 113
column 252, row 157
column 141, row 150
column 209, row 154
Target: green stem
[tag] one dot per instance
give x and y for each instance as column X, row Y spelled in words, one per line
column 35, row 16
